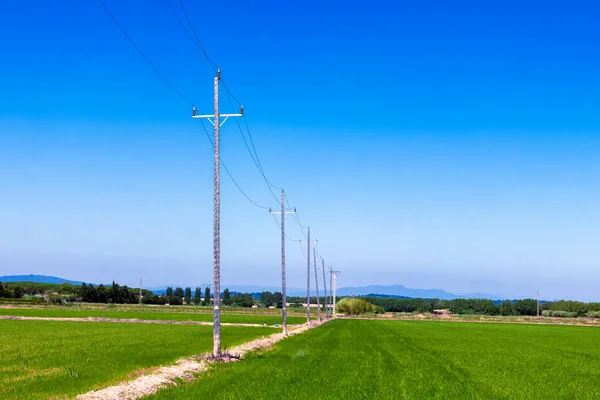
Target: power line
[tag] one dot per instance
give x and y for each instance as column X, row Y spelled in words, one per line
column 279, row 225
column 199, row 42
column 253, row 153
column 229, row 173
column 142, row 54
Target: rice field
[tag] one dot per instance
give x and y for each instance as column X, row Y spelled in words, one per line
column 48, row 359
column 362, row 359
column 226, row 317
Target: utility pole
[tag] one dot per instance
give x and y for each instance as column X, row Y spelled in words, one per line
column 325, row 288
column 140, row 292
column 283, row 284
column 307, row 275
column 335, row 274
column 217, row 212
column 538, row 303
column 317, row 284
column 330, row 291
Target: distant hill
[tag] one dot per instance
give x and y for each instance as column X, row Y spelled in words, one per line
column 402, row 291
column 399, row 291
column 37, row 279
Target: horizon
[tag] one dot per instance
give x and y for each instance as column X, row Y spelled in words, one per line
column 448, row 146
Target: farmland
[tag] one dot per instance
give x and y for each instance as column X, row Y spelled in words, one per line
column 42, row 359
column 149, row 314
column 413, row 360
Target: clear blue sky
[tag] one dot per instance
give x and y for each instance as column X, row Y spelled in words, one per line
column 439, row 144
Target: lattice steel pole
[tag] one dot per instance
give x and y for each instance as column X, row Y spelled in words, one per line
column 217, row 213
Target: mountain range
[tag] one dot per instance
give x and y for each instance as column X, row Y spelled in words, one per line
column 390, row 290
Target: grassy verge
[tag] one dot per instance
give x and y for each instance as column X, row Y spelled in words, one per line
column 45, row 359
column 413, row 360
column 150, row 315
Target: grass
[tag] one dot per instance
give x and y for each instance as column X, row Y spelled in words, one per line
column 45, row 359
column 413, row 360
column 149, row 315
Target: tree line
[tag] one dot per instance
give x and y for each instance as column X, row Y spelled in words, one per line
column 482, row 306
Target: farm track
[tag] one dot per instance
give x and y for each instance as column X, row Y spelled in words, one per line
column 184, row 370
column 135, row 321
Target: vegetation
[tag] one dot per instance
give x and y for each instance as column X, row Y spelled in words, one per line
column 412, row 360
column 44, row 359
column 480, row 306
column 355, row 306
column 149, row 315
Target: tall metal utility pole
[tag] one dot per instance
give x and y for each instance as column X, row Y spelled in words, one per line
column 538, row 303
column 307, row 275
column 217, row 213
column 325, row 289
column 317, row 284
column 283, row 283
column 335, row 274
column 331, row 291
column 140, row 291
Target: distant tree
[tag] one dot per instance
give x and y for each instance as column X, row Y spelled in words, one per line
column 188, row 295
column 17, row 292
column 506, row 308
column 197, row 296
column 267, row 299
column 242, row 300
column 169, row 291
column 278, row 299
column 526, row 307
column 178, row 292
column 226, row 297
column 206, row 301
column 101, row 294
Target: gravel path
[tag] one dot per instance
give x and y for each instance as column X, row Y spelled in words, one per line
column 184, row 369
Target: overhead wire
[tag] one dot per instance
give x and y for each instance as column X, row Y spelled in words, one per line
column 229, row 173
column 143, row 55
column 196, row 40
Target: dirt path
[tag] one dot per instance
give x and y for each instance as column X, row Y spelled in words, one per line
column 184, row 369
column 135, row 321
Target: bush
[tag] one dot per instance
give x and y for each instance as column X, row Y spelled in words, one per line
column 593, row 314
column 354, row 306
column 559, row 314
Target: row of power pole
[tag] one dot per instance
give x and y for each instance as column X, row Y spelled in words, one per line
column 215, row 120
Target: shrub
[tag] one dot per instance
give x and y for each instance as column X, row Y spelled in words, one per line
column 559, row 314
column 593, row 314
column 354, row 306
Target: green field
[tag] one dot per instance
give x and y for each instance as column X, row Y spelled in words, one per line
column 44, row 359
column 358, row 359
column 149, row 315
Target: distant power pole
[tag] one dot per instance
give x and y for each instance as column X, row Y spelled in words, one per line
column 538, row 303
column 307, row 275
column 217, row 212
column 283, row 292
column 331, row 291
column 325, row 288
column 317, row 284
column 335, row 274
column 140, row 291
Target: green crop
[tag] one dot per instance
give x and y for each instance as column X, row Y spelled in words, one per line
column 149, row 315
column 359, row 359
column 48, row 359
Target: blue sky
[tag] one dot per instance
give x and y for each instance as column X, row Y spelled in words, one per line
column 432, row 144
